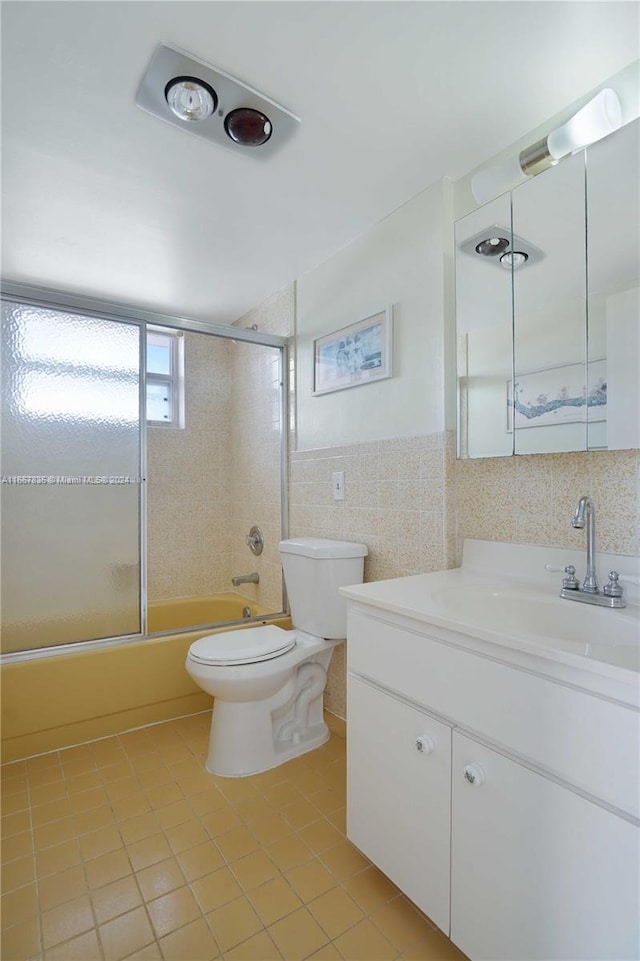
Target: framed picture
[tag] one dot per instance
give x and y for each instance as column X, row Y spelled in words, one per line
column 355, row 355
column 558, row 395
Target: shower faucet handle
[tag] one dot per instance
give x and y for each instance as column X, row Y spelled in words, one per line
column 255, row 540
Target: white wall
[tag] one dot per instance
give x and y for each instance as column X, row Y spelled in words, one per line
column 399, row 262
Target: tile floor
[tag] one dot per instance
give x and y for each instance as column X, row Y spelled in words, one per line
column 126, row 848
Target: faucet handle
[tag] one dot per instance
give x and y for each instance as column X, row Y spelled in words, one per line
column 570, row 581
column 613, row 589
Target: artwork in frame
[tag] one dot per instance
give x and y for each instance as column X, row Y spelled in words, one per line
column 355, row 355
column 558, row 395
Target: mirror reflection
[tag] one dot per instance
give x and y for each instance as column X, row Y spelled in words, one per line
column 613, row 257
column 548, row 307
column 549, row 297
column 485, row 330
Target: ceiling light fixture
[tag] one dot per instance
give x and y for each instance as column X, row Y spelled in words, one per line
column 496, row 246
column 188, row 93
column 492, row 246
column 514, row 259
column 190, row 99
column 249, row 127
column 598, row 118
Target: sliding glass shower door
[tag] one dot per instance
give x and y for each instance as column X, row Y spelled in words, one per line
column 71, row 485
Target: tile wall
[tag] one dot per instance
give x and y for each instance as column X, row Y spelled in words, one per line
column 188, row 485
column 395, row 502
column 530, row 499
column 255, row 448
column 209, row 483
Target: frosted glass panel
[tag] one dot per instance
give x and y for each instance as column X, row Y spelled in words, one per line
column 70, row 477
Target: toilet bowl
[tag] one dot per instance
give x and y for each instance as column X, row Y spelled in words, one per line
column 268, row 683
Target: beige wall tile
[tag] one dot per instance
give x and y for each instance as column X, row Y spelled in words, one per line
column 209, row 483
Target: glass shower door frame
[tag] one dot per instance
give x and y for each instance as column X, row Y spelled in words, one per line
column 102, row 310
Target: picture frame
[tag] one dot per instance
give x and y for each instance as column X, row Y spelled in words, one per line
column 355, row 355
column 558, row 395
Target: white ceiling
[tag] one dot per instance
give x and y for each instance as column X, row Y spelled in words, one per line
column 101, row 198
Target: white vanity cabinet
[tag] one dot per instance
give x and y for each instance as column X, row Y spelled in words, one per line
column 537, row 872
column 400, row 794
column 514, row 831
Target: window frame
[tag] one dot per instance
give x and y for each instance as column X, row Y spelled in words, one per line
column 174, row 381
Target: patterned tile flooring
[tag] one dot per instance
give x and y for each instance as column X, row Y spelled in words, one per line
column 125, row 848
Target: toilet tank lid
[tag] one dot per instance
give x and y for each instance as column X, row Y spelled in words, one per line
column 321, row 547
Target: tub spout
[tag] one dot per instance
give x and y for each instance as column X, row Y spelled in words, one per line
column 245, row 579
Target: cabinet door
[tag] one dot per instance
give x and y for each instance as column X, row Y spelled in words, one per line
column 537, row 872
column 399, row 793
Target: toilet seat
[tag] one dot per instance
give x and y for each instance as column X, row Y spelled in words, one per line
column 247, row 646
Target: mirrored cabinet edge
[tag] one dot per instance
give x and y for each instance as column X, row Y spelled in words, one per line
column 547, row 283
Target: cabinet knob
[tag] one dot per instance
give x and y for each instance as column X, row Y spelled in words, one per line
column 474, row 774
column 424, row 744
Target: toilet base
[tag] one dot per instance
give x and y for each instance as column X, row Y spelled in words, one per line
column 248, row 737
column 225, row 766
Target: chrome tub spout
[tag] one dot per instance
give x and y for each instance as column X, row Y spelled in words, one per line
column 245, row 579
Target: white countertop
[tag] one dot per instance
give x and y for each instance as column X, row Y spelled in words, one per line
column 503, row 596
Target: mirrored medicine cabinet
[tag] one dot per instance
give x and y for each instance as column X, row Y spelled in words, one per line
column 548, row 309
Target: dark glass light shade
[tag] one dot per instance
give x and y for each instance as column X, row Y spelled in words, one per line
column 248, row 127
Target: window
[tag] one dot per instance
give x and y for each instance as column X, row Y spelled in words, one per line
column 165, row 377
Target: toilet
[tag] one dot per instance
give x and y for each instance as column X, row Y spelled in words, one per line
column 268, row 683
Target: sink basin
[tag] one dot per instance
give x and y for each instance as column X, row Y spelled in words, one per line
column 507, row 596
column 509, row 609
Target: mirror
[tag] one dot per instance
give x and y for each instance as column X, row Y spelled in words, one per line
column 550, row 312
column 484, row 321
column 547, row 290
column 613, row 258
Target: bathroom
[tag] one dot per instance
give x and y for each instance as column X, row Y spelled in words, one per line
column 406, row 495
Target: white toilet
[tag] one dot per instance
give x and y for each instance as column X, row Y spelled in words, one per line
column 268, row 683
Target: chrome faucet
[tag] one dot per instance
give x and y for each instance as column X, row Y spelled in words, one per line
column 589, row 593
column 585, row 513
column 245, row 579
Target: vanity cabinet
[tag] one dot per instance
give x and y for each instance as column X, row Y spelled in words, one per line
column 400, row 794
column 514, row 831
column 537, row 871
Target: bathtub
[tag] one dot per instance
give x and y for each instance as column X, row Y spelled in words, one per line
column 176, row 613
column 53, row 702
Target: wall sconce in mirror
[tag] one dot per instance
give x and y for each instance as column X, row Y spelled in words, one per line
column 188, row 93
column 601, row 116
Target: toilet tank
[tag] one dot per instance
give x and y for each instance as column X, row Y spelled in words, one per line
column 314, row 569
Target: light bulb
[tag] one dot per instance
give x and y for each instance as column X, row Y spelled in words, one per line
column 248, row 127
column 190, row 99
column 514, row 259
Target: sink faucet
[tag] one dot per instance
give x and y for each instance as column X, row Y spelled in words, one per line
column 585, row 513
column 589, row 593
